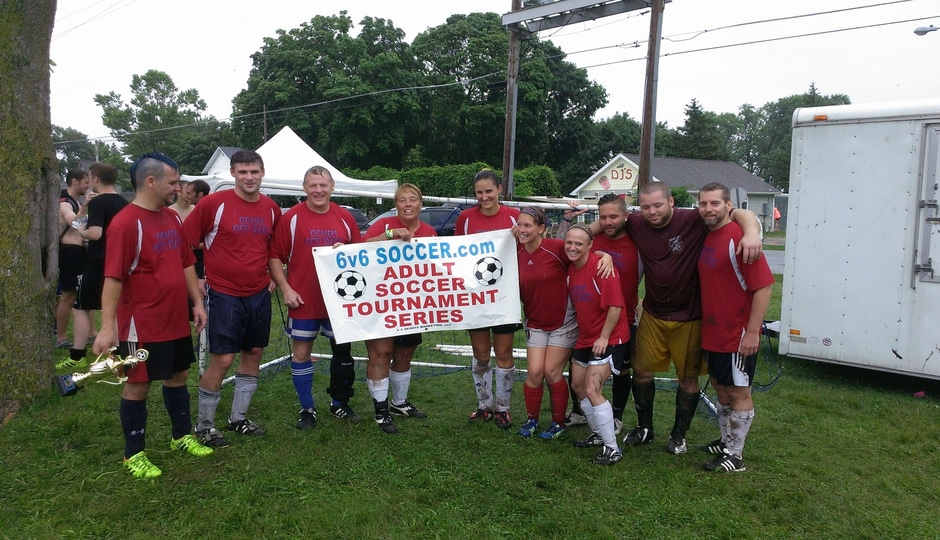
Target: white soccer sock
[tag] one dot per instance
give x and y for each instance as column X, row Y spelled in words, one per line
column 401, row 381
column 723, row 412
column 483, row 381
column 504, row 379
column 588, row 411
column 739, row 423
column 378, row 389
column 604, row 422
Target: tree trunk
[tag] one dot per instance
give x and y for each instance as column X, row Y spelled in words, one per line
column 29, row 184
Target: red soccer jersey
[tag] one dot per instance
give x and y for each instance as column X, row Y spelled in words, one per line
column 392, row 222
column 591, row 296
column 670, row 256
column 542, row 284
column 300, row 230
column 235, row 233
column 146, row 252
column 626, row 260
column 472, row 221
column 728, row 287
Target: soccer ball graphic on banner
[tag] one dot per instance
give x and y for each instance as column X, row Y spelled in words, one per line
column 349, row 285
column 488, row 271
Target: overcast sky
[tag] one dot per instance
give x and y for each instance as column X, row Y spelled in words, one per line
column 724, row 53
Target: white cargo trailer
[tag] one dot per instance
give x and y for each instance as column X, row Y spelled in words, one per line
column 860, row 285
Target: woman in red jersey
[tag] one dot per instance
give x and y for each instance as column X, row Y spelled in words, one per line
column 390, row 357
column 489, row 215
column 550, row 326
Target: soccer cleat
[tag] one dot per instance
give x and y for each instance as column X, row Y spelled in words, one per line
column 573, row 419
column 141, row 467
column 246, row 427
column 385, row 422
column 593, row 440
column 190, row 445
column 68, row 363
column 638, row 435
column 715, row 447
column 618, row 425
column 676, row 445
column 481, row 415
column 344, row 412
column 407, row 409
column 503, row 421
column 212, row 438
column 607, row 456
column 529, row 428
column 553, row 432
column 307, row 419
column 725, row 463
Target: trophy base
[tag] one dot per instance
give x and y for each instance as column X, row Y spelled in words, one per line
column 65, row 385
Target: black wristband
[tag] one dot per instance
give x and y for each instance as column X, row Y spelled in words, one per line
column 568, row 220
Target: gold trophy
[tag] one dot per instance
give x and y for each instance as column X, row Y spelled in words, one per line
column 102, row 366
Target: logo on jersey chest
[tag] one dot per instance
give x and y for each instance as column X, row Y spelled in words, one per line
column 675, row 244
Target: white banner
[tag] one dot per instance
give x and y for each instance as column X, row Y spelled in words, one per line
column 391, row 288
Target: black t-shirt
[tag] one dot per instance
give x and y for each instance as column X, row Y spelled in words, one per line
column 101, row 210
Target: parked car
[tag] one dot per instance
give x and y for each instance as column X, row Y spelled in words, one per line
column 442, row 218
column 361, row 219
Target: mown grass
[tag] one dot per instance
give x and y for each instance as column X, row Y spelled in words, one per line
column 835, row 452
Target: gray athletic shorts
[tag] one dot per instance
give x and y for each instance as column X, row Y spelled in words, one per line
column 564, row 336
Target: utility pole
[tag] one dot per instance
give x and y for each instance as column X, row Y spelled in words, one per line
column 512, row 99
column 648, row 136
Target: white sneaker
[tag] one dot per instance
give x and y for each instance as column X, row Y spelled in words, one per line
column 574, row 419
column 618, row 425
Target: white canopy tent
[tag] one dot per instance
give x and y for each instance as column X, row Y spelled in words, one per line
column 286, row 158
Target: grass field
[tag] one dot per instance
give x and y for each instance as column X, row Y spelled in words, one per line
column 835, row 452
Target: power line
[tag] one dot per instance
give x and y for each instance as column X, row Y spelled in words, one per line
column 768, row 40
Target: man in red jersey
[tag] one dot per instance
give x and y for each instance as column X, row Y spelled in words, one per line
column 234, row 226
column 148, row 276
column 669, row 241
column 735, row 297
column 613, row 239
column 316, row 222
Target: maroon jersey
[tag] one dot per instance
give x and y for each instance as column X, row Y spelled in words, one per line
column 146, row 252
column 300, row 230
column 728, row 287
column 542, row 284
column 591, row 296
column 235, row 233
column 626, row 260
column 670, row 259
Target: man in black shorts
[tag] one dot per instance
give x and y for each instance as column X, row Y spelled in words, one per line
column 149, row 279
column 71, row 254
column 101, row 210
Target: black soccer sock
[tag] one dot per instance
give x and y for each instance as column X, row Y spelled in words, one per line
column 620, row 393
column 643, row 396
column 176, row 401
column 686, row 404
column 77, row 354
column 133, row 423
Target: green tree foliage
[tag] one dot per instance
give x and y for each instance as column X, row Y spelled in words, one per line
column 73, row 146
column 682, row 198
column 162, row 118
column 702, row 136
column 556, row 102
column 337, row 92
column 772, row 147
